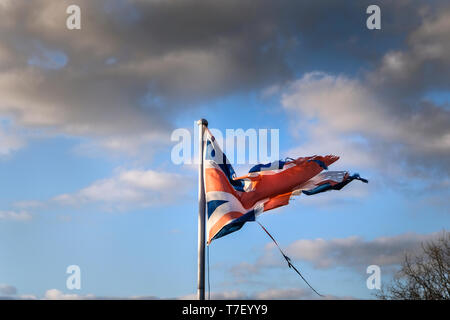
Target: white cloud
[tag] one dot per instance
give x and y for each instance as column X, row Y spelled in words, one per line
column 27, row 204
column 145, row 144
column 131, row 188
column 9, row 142
column 341, row 115
column 54, row 294
column 382, row 119
column 15, row 215
column 352, row 152
column 225, row 295
column 10, row 292
column 268, row 294
column 339, row 102
column 343, row 105
column 285, row 294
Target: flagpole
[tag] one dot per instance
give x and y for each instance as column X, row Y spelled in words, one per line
column 202, row 124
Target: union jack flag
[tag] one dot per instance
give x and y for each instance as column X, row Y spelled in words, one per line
column 232, row 201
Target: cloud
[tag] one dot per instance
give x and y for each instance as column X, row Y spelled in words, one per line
column 225, row 295
column 351, row 252
column 381, row 118
column 125, row 190
column 9, row 142
column 131, row 188
column 15, row 215
column 123, row 76
column 135, row 64
column 10, row 292
column 54, row 294
column 27, row 204
column 424, row 63
column 284, row 294
column 7, row 290
column 347, row 117
column 268, row 294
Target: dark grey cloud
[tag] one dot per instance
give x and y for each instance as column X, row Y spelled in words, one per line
column 422, row 64
column 7, row 290
column 164, row 53
column 354, row 253
column 136, row 63
column 136, row 66
column 351, row 252
column 411, row 142
column 399, row 129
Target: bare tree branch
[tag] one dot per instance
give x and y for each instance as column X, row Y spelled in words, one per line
column 424, row 276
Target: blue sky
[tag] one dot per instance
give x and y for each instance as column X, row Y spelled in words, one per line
column 85, row 153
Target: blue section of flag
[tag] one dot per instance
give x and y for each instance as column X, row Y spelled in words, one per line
column 318, row 189
column 338, row 186
column 224, row 165
column 320, row 163
column 268, row 166
column 213, row 204
column 236, row 224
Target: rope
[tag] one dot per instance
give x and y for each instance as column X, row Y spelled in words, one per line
column 288, row 260
column 209, row 286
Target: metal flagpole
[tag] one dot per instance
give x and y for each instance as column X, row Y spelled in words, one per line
column 202, row 124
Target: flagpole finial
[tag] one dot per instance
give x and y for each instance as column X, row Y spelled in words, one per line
column 203, row 121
